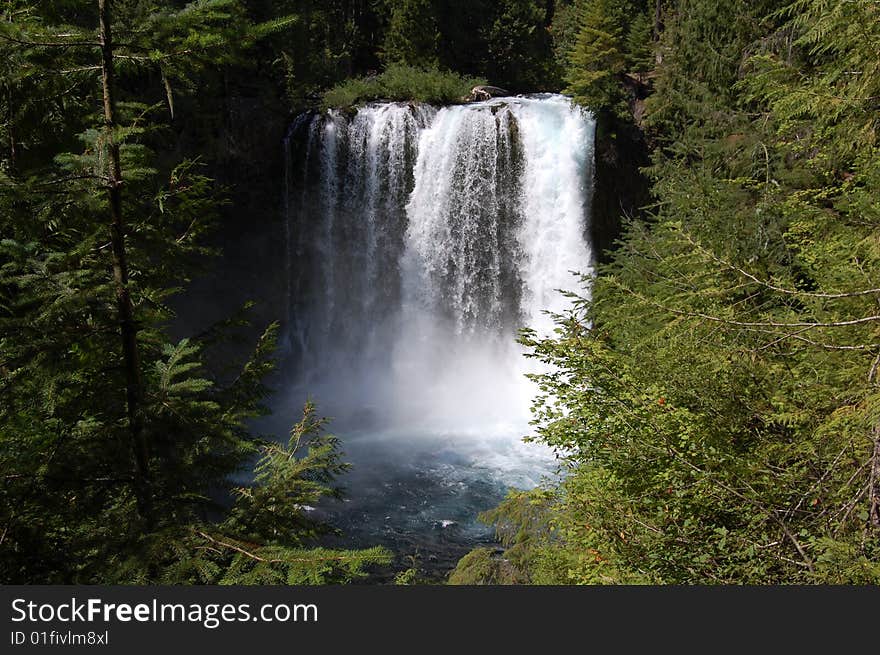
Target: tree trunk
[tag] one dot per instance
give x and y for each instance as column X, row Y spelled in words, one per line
column 12, row 152
column 128, row 327
column 874, row 482
column 10, row 116
column 658, row 16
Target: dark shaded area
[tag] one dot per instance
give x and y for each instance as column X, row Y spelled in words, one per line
column 241, row 135
column 621, row 189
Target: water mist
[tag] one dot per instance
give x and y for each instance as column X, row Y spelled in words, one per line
column 421, row 240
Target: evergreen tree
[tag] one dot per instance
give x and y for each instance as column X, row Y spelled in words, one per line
column 718, row 393
column 613, row 40
column 519, row 46
column 332, row 40
column 117, row 447
column 412, row 37
column 463, row 46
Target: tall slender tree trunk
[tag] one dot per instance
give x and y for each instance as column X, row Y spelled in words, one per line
column 10, row 116
column 11, row 131
column 658, row 16
column 874, row 482
column 658, row 28
column 128, row 328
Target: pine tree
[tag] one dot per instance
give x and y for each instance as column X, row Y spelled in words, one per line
column 412, row 37
column 717, row 393
column 613, row 40
column 519, row 45
column 117, row 445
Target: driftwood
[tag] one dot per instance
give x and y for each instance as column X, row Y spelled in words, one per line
column 485, row 92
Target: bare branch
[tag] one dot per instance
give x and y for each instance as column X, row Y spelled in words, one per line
column 773, row 287
column 287, row 560
column 761, row 324
column 80, row 69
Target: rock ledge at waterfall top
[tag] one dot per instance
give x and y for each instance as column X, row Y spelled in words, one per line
column 486, row 92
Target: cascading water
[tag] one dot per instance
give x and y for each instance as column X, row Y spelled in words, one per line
column 422, row 239
column 349, row 234
column 497, row 223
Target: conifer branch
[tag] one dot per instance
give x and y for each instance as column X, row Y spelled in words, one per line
column 809, row 325
column 276, row 560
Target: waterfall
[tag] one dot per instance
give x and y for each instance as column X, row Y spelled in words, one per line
column 423, row 239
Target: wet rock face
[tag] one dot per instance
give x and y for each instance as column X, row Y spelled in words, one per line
column 621, row 188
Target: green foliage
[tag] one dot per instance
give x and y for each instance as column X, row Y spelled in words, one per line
column 547, row 540
column 267, row 536
column 407, row 577
column 639, row 45
column 701, row 52
column 480, row 566
column 331, row 41
column 716, row 392
column 74, row 476
column 564, row 31
column 402, row 83
column 520, row 46
column 613, row 39
column 412, row 37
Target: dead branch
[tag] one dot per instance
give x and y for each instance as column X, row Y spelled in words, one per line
column 773, row 287
column 265, row 560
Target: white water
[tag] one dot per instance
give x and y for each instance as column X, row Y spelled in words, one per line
column 425, row 239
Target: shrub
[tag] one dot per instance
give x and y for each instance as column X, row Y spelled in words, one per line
column 401, row 83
